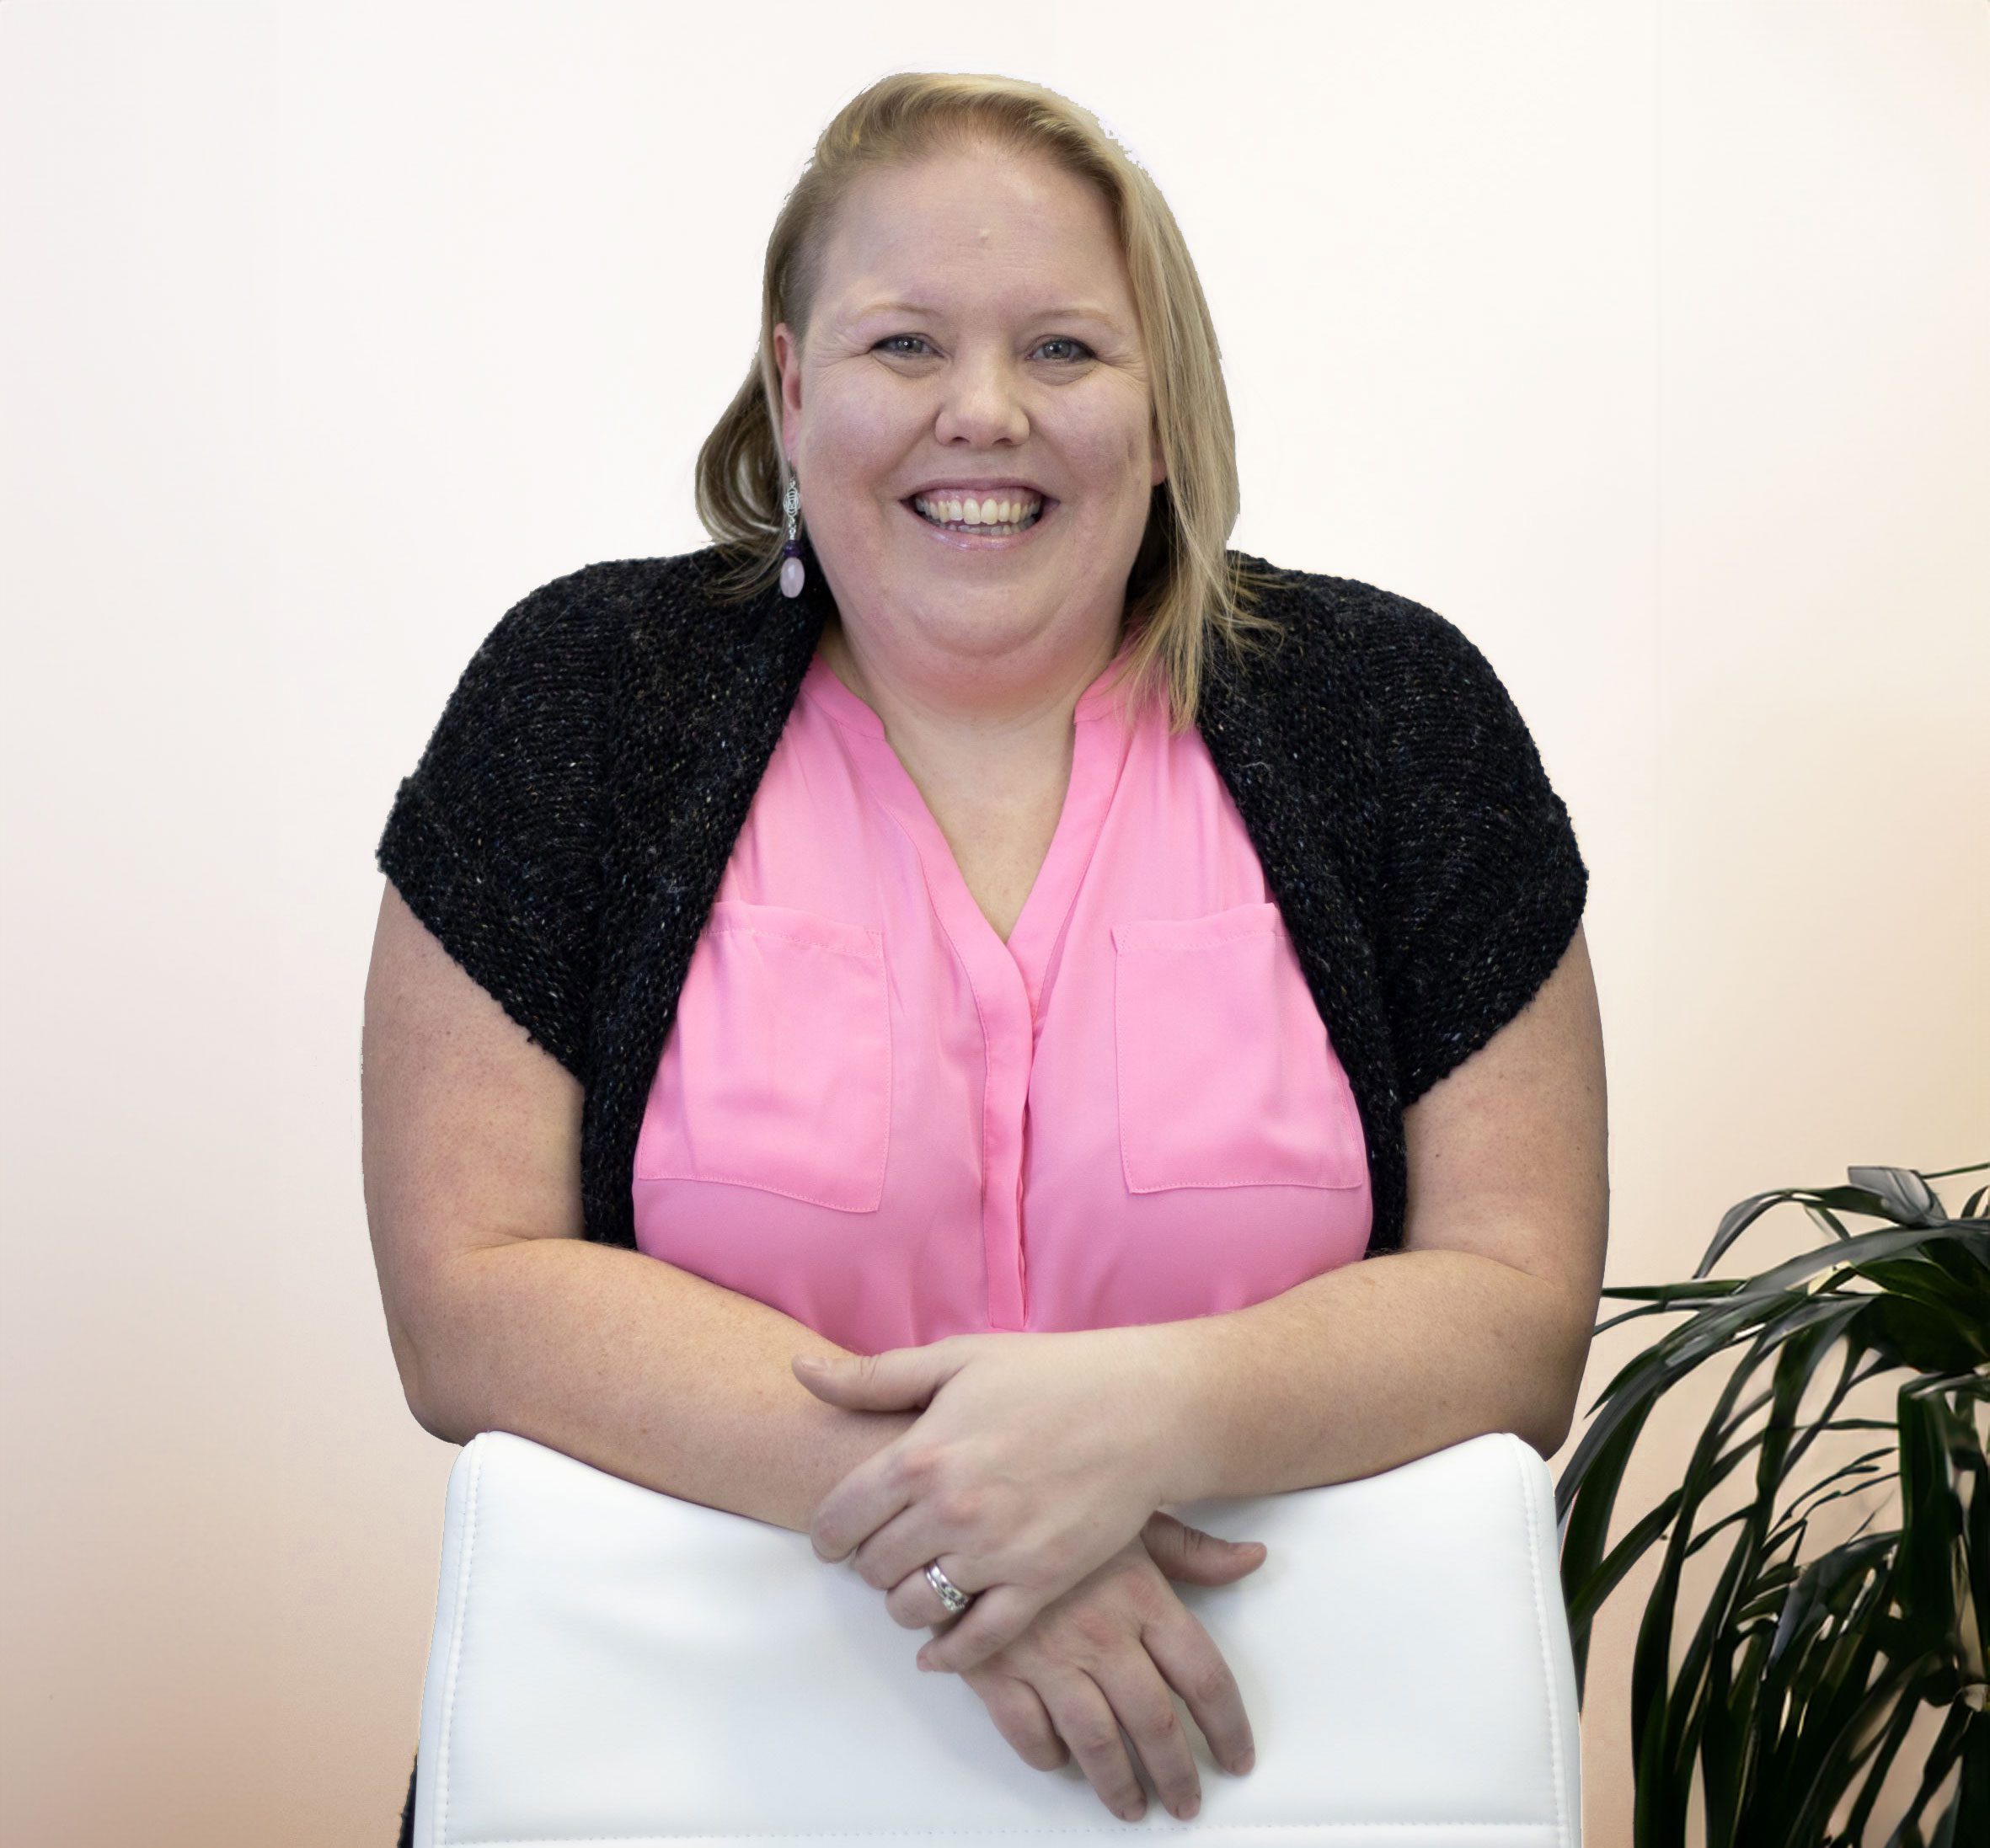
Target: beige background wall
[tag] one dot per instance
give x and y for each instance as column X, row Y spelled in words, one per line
column 1647, row 341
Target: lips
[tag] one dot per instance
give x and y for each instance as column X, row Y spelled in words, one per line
column 969, row 540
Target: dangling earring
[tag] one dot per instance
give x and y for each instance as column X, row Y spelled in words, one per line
column 792, row 568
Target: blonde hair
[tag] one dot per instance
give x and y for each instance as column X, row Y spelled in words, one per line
column 1185, row 587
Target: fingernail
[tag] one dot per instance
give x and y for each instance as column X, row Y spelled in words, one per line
column 1243, row 1762
column 1188, row 1808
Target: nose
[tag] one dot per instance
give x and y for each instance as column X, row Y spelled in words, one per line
column 980, row 404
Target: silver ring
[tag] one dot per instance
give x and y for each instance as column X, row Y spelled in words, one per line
column 950, row 1595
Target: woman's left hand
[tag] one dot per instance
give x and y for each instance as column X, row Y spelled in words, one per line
column 1038, row 1457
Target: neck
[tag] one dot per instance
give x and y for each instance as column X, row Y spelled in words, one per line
column 965, row 726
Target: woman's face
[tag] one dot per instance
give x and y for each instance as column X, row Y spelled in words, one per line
column 974, row 326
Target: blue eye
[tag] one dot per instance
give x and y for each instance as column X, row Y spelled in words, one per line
column 1056, row 339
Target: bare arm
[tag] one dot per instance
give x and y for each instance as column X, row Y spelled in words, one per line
column 502, row 1317
column 1481, row 1323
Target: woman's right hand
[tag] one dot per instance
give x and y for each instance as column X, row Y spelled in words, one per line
column 1103, row 1655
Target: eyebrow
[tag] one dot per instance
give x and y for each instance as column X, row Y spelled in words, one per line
column 1076, row 312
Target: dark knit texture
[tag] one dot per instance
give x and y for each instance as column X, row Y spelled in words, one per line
column 566, row 830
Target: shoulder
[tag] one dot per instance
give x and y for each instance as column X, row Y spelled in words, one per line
column 598, row 604
column 1373, row 648
column 1406, row 661
column 575, row 638
column 1378, row 621
column 533, row 703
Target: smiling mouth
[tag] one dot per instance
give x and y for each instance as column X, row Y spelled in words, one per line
column 987, row 534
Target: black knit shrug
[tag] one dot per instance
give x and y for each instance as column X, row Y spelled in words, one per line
column 566, row 828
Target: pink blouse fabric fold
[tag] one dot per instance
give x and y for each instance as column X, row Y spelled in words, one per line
column 874, row 1115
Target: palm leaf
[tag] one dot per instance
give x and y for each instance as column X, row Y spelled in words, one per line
column 1799, row 1679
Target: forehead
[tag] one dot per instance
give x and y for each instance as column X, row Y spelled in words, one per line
column 959, row 228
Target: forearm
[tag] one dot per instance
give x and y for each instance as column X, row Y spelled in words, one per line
column 1366, row 1367
column 641, row 1368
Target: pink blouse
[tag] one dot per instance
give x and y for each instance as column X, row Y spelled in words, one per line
column 876, row 1116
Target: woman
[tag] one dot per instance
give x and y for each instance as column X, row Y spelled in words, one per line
column 1039, row 957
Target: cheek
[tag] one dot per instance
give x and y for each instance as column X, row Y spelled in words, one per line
column 1117, row 469
column 857, row 411
column 1110, row 449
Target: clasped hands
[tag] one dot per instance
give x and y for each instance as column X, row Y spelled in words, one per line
column 1034, row 1476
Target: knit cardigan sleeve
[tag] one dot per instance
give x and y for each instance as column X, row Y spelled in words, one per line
column 1483, row 885
column 491, row 841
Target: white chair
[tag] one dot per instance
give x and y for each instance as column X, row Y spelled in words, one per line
column 611, row 1665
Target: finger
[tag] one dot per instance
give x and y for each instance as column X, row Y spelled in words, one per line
column 901, row 1548
column 1021, row 1718
column 913, row 1601
column 874, row 1492
column 1143, row 1705
column 995, row 1618
column 1087, row 1724
column 1185, row 1552
column 896, row 1381
column 1187, row 1657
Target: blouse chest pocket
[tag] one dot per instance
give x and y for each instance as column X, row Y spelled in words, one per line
column 777, row 1071
column 1226, row 1075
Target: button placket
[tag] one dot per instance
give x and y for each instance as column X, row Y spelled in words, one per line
column 1006, row 979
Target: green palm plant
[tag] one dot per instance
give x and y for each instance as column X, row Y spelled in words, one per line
column 1803, row 1677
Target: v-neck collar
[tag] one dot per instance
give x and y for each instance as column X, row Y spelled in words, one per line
column 1102, row 735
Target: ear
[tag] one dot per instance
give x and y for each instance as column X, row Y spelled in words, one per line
column 788, row 364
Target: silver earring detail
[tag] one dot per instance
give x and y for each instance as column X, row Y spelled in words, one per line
column 792, row 568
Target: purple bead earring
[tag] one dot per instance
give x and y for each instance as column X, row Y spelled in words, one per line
column 792, row 568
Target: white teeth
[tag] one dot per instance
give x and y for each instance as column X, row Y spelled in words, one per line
column 994, row 511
